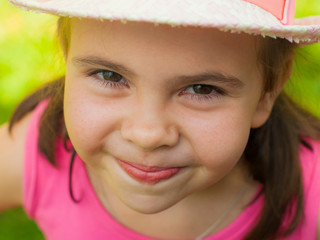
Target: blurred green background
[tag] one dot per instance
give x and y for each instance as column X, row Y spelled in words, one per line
column 30, row 56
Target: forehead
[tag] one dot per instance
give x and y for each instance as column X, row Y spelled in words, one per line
column 142, row 43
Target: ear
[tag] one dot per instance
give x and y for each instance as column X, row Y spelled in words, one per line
column 263, row 110
column 268, row 99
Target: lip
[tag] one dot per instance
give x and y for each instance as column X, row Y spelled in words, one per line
column 148, row 174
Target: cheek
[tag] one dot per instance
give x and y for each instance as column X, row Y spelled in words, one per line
column 219, row 139
column 88, row 120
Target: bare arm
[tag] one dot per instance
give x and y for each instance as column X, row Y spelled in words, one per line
column 11, row 163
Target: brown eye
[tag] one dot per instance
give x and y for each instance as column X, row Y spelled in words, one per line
column 111, row 76
column 203, row 89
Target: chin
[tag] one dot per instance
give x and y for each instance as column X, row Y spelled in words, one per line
column 149, row 209
column 150, row 205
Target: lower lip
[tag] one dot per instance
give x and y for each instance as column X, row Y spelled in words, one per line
column 148, row 175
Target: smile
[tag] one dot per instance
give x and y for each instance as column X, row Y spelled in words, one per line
column 147, row 174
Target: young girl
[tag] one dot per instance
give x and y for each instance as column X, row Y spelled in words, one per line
column 170, row 123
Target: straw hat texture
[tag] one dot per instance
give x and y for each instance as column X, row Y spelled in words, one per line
column 273, row 18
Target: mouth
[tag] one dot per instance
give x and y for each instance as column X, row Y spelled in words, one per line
column 148, row 174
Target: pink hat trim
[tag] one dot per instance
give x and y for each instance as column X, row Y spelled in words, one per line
column 284, row 10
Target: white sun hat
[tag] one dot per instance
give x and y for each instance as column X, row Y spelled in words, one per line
column 273, row 18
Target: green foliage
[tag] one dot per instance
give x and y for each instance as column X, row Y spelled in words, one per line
column 30, row 56
column 14, row 224
column 304, row 86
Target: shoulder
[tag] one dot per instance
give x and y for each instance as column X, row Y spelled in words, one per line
column 317, row 159
column 310, row 163
column 11, row 162
column 309, row 155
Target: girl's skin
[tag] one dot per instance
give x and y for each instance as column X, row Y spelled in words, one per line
column 152, row 116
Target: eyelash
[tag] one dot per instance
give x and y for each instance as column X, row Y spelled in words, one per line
column 218, row 92
column 107, row 83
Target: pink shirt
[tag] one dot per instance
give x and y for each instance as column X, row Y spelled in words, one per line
column 47, row 199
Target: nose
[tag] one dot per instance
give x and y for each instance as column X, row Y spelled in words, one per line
column 149, row 128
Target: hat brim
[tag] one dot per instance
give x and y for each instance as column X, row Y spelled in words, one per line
column 227, row 15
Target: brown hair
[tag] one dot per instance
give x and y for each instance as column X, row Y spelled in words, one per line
column 274, row 163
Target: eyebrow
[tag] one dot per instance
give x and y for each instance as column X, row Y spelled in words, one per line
column 97, row 61
column 210, row 76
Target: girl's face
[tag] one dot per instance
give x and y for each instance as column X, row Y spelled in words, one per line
column 161, row 114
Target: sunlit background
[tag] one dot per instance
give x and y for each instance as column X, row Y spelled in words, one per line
column 30, row 56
